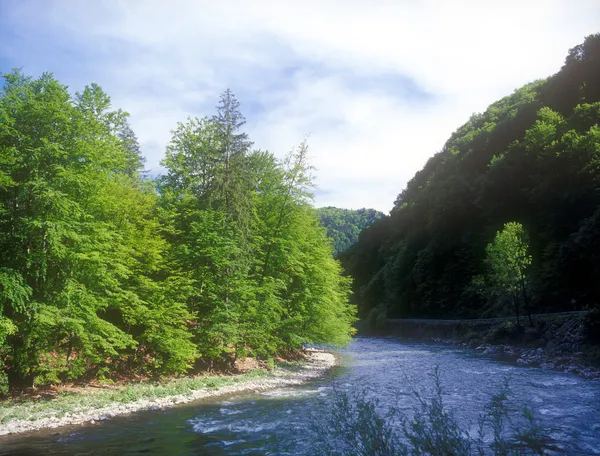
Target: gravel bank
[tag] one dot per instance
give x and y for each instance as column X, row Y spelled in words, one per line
column 318, row 363
column 560, row 341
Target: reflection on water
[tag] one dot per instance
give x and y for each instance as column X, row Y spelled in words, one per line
column 277, row 422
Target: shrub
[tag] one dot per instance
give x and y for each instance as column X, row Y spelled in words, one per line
column 355, row 424
column 507, row 331
column 3, row 384
column 377, row 319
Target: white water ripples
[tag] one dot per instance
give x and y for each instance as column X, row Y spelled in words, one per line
column 279, row 421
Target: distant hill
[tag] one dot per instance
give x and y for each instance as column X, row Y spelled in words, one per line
column 344, row 225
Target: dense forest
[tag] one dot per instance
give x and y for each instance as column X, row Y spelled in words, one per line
column 104, row 270
column 531, row 160
column 344, row 225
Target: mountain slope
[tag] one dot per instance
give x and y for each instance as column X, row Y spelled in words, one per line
column 532, row 157
column 344, row 225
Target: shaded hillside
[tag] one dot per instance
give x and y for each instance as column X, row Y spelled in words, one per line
column 533, row 157
column 344, row 225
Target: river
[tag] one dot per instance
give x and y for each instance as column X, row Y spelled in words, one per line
column 278, row 422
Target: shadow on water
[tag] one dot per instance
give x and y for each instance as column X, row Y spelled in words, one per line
column 277, row 422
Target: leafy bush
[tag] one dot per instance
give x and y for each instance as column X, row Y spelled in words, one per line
column 504, row 332
column 3, row 384
column 377, row 319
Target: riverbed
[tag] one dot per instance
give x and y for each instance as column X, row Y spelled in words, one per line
column 280, row 421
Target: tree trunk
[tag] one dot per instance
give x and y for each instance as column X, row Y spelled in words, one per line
column 526, row 300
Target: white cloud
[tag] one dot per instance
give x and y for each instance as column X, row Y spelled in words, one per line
column 164, row 60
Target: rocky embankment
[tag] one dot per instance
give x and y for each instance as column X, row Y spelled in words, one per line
column 317, row 364
column 539, row 357
column 554, row 341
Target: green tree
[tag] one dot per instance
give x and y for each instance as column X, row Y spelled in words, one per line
column 102, row 270
column 298, row 275
column 291, row 190
column 204, row 240
column 244, row 233
column 95, row 104
column 509, row 261
column 84, row 287
column 344, row 225
column 234, row 147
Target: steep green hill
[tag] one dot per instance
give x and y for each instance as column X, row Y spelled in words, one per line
column 533, row 158
column 344, row 225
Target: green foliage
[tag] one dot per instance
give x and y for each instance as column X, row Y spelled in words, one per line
column 508, row 262
column 344, row 225
column 80, row 240
column 533, row 156
column 377, row 318
column 504, row 332
column 102, row 272
column 260, row 283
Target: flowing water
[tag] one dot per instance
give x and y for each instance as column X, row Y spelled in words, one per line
column 278, row 422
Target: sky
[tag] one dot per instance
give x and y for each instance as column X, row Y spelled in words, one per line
column 378, row 86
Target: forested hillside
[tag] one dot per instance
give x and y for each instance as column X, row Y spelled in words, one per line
column 532, row 158
column 344, row 225
column 103, row 271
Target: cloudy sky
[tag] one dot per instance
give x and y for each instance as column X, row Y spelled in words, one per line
column 378, row 85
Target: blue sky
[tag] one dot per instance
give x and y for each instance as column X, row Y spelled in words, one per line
column 379, row 85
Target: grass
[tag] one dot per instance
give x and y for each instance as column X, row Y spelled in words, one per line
column 289, row 366
column 67, row 402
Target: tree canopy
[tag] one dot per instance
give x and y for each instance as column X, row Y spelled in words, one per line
column 344, row 225
column 103, row 270
column 508, row 261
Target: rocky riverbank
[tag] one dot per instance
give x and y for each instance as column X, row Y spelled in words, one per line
column 538, row 357
column 565, row 342
column 91, row 408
